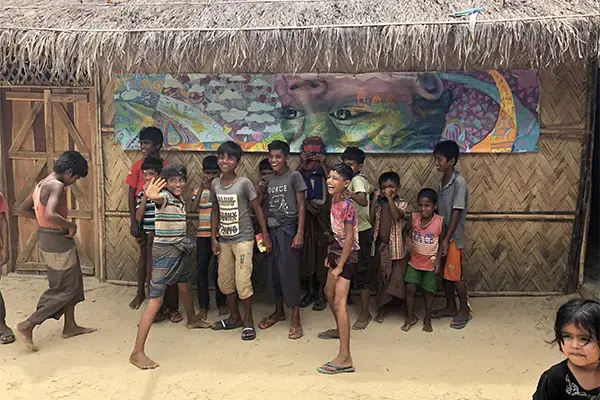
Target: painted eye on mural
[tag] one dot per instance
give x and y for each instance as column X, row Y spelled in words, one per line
column 345, row 114
column 291, row 113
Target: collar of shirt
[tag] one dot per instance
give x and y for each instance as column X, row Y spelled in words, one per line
column 450, row 182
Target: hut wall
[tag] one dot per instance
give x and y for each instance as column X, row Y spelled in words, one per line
column 522, row 210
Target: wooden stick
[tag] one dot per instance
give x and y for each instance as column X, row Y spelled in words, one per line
column 96, row 102
column 3, row 184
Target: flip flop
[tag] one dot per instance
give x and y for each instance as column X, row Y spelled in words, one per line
column 268, row 322
column 224, row 325
column 336, row 369
column 175, row 317
column 7, row 338
column 295, row 333
column 320, row 304
column 460, row 322
column 248, row 333
column 443, row 315
column 329, row 334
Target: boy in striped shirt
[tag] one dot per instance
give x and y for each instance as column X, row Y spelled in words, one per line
column 203, row 206
column 170, row 256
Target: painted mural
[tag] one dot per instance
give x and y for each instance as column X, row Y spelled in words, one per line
column 483, row 111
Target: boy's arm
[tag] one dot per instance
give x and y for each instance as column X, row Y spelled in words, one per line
column 374, row 206
column 214, row 224
column 298, row 241
column 359, row 198
column 438, row 260
column 260, row 217
column 196, row 202
column 26, row 208
column 454, row 220
column 134, row 230
column 141, row 207
column 153, row 191
column 406, row 231
column 396, row 213
column 346, row 250
column 3, row 238
column 459, row 202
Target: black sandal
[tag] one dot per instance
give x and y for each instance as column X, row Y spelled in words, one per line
column 320, row 304
column 307, row 300
column 248, row 333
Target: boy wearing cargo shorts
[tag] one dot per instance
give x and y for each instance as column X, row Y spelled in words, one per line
column 232, row 196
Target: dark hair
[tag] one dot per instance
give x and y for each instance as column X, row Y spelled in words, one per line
column 344, row 170
column 152, row 134
column 174, row 170
column 71, row 161
column 428, row 193
column 230, row 148
column 152, row 163
column 264, row 164
column 354, row 154
column 584, row 314
column 210, row 163
column 389, row 176
column 280, row 145
column 449, row 149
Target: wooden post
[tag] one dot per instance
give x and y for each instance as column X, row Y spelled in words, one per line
column 3, row 178
column 49, row 129
column 96, row 99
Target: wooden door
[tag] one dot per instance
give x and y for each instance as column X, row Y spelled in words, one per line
column 38, row 124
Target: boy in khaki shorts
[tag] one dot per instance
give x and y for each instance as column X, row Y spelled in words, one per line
column 232, row 196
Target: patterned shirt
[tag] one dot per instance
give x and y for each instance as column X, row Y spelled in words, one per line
column 204, row 212
column 170, row 220
column 342, row 212
column 425, row 242
column 396, row 241
column 149, row 213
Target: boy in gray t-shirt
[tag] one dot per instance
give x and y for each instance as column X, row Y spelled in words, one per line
column 284, row 202
column 232, row 196
column 453, row 202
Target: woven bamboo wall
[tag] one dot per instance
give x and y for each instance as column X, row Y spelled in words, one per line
column 525, row 248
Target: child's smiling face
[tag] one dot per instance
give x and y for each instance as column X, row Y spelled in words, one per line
column 175, row 185
column 426, row 207
column 148, row 147
column 336, row 184
column 442, row 163
column 579, row 346
column 227, row 163
column 278, row 160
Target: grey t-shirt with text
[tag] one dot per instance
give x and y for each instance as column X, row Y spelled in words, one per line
column 234, row 200
column 280, row 198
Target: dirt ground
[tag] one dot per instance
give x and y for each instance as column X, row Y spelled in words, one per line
column 500, row 355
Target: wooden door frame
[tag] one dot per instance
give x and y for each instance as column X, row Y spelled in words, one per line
column 95, row 165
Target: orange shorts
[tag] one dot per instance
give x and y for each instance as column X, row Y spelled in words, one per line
column 452, row 263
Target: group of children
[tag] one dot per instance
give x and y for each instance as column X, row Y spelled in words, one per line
column 410, row 249
column 325, row 226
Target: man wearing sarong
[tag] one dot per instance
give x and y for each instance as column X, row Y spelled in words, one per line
column 48, row 205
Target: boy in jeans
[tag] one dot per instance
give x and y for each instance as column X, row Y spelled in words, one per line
column 453, row 202
column 232, row 196
column 170, row 257
column 202, row 205
column 284, row 202
column 151, row 141
column 359, row 192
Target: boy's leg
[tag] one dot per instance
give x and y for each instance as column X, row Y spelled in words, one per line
column 138, row 356
column 461, row 290
column 412, row 278
column 6, row 334
column 220, row 297
column 341, row 287
column 274, row 284
column 429, row 286
column 71, row 328
column 193, row 322
column 141, row 269
column 330, row 295
column 203, row 253
column 243, row 282
column 289, row 273
column 362, row 278
column 227, row 285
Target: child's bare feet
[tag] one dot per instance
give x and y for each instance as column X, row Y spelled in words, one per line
column 198, row 324
column 202, row 314
column 142, row 361
column 427, row 325
column 76, row 331
column 409, row 323
column 362, row 322
column 137, row 301
column 25, row 335
column 381, row 314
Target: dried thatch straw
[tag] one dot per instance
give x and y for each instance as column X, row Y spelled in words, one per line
column 65, row 41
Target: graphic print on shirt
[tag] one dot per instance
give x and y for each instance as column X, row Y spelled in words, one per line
column 229, row 224
column 277, row 198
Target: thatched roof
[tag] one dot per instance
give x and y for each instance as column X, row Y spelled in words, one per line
column 71, row 36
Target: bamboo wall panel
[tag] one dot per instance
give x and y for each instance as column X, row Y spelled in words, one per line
column 501, row 254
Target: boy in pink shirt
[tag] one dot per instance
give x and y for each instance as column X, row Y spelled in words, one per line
column 425, row 229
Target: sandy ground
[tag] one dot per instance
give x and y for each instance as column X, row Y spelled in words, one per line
column 500, row 355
